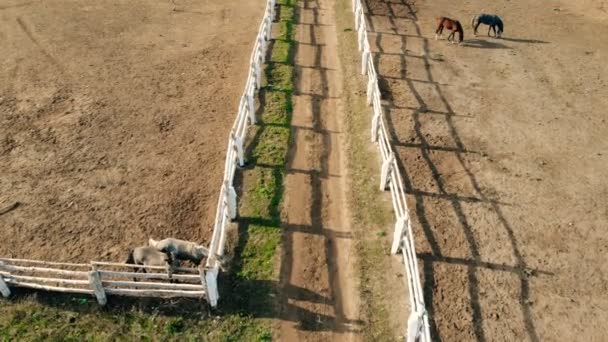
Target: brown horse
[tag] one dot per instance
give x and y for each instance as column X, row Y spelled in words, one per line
column 452, row 25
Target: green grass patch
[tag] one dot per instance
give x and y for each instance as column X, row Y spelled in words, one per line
column 30, row 320
column 255, row 276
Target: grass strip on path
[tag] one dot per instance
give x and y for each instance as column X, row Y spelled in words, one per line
column 372, row 216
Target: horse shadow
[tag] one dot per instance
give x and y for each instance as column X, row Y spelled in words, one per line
column 484, row 44
column 521, row 40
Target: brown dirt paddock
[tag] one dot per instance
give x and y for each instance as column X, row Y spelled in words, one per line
column 503, row 147
column 114, row 118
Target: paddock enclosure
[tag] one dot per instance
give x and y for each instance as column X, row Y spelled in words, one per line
column 501, row 145
column 114, row 118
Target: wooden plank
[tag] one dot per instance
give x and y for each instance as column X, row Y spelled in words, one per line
column 44, row 280
column 149, row 275
column 45, row 263
column 97, row 287
column 155, row 293
column 142, row 284
column 42, row 269
column 14, row 282
column 116, row 264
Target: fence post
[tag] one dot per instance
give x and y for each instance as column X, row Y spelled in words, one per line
column 375, row 125
column 97, row 286
column 268, row 28
column 258, row 71
column 414, row 323
column 251, row 108
column 272, row 5
column 262, row 41
column 400, row 226
column 364, row 60
column 360, row 37
column 370, row 90
column 211, row 281
column 238, row 144
column 231, row 200
column 386, row 170
column 6, row 292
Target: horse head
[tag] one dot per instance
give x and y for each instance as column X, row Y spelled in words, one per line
column 152, row 242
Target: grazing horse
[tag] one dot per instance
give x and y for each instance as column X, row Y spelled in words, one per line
column 493, row 22
column 183, row 250
column 452, row 25
column 149, row 256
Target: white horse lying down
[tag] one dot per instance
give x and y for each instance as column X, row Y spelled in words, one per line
column 149, row 256
column 184, row 250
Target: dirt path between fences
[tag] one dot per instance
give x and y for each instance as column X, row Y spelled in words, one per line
column 317, row 241
column 114, row 118
column 503, row 146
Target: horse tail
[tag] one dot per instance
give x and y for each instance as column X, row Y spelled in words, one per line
column 130, row 258
column 473, row 21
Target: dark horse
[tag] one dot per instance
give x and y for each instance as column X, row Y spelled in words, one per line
column 452, row 25
column 493, row 22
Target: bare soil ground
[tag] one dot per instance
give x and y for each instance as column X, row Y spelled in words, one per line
column 114, row 119
column 503, row 146
column 320, row 302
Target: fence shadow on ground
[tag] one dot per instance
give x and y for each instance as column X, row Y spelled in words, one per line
column 187, row 307
column 383, row 11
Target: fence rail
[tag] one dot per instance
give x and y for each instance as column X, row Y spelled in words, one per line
column 227, row 201
column 417, row 325
column 99, row 279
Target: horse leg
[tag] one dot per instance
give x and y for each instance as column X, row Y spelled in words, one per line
column 136, row 270
column 451, row 36
column 489, row 28
column 438, row 31
column 494, row 29
column 476, row 27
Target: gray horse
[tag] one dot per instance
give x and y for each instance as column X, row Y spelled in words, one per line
column 184, row 250
column 150, row 256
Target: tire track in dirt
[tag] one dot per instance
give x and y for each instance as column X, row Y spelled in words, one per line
column 319, row 301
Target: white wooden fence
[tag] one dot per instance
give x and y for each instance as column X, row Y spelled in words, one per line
column 100, row 279
column 227, row 206
column 418, row 325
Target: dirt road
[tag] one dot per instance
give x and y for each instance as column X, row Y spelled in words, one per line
column 114, row 118
column 503, row 146
column 318, row 258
